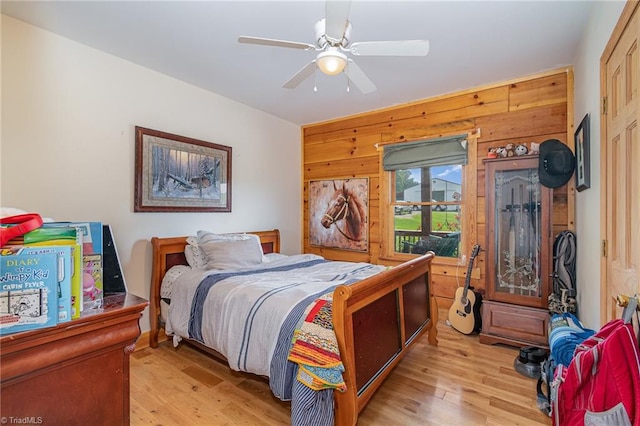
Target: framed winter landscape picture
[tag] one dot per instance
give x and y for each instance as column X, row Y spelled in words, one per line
column 179, row 174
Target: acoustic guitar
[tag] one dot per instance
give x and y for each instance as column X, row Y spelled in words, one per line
column 464, row 314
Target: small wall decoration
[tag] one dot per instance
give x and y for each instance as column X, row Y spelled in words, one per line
column 179, row 174
column 583, row 171
column 339, row 213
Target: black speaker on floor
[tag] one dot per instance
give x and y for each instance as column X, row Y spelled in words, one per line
column 529, row 360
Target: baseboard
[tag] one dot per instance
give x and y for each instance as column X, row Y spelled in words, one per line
column 144, row 339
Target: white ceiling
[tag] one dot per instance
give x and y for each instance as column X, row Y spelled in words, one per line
column 472, row 43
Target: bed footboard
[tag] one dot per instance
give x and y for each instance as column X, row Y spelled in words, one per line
column 376, row 321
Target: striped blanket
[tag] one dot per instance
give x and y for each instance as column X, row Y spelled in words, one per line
column 250, row 317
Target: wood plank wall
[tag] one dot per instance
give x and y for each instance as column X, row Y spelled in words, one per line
column 530, row 109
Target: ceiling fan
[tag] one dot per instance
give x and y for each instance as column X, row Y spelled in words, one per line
column 333, row 42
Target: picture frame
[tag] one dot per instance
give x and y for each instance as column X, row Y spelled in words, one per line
column 583, row 168
column 179, row 174
column 339, row 213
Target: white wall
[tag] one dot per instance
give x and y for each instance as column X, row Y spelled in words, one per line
column 603, row 18
column 68, row 118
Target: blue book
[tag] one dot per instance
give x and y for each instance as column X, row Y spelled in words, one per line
column 28, row 292
column 65, row 272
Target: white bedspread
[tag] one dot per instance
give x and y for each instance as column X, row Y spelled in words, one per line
column 243, row 314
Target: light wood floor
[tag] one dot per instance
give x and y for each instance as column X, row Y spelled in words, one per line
column 459, row 382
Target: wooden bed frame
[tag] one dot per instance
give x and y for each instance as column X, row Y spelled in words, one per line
column 376, row 320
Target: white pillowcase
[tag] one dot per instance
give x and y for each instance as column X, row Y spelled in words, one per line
column 203, row 237
column 170, row 278
column 232, row 254
column 206, row 236
column 195, row 256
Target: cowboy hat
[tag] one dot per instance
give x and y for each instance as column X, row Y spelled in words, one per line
column 555, row 163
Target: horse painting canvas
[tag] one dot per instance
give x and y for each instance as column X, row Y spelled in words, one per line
column 339, row 213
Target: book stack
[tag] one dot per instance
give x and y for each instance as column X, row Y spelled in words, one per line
column 90, row 291
column 50, row 275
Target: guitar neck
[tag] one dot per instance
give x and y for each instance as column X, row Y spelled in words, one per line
column 467, row 281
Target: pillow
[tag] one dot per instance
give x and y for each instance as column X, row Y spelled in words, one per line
column 206, row 236
column 170, row 278
column 195, row 256
column 232, row 254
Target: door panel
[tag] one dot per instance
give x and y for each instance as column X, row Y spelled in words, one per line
column 621, row 174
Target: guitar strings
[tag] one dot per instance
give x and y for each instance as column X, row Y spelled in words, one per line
column 446, row 321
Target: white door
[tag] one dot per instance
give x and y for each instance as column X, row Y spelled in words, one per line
column 621, row 163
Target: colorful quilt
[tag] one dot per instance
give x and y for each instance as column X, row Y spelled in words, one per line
column 315, row 348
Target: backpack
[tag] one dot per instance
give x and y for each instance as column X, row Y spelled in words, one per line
column 566, row 332
column 601, row 385
column 563, row 296
column 547, row 368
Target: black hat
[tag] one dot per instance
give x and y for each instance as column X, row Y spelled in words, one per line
column 556, row 163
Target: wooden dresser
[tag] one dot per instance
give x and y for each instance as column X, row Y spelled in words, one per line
column 76, row 373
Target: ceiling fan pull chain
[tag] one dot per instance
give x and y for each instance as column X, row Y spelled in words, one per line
column 315, row 80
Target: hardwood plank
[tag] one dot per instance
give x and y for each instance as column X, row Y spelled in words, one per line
column 443, row 124
column 524, row 123
column 346, row 168
column 460, row 381
column 538, row 92
column 340, row 148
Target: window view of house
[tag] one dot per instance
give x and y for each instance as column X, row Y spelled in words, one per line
column 427, row 210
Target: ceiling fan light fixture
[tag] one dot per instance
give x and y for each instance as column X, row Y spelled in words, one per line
column 331, row 61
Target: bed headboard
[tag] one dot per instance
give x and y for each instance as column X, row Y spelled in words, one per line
column 168, row 252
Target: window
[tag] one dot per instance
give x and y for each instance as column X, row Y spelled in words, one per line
column 425, row 197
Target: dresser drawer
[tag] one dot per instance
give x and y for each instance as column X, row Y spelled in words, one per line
column 513, row 324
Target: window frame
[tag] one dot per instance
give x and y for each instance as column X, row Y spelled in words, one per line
column 468, row 206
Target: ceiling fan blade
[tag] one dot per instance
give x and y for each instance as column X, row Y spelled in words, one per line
column 276, row 43
column 359, row 78
column 336, row 17
column 301, row 75
column 391, row 48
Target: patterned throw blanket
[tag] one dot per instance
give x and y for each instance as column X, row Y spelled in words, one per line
column 315, row 348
